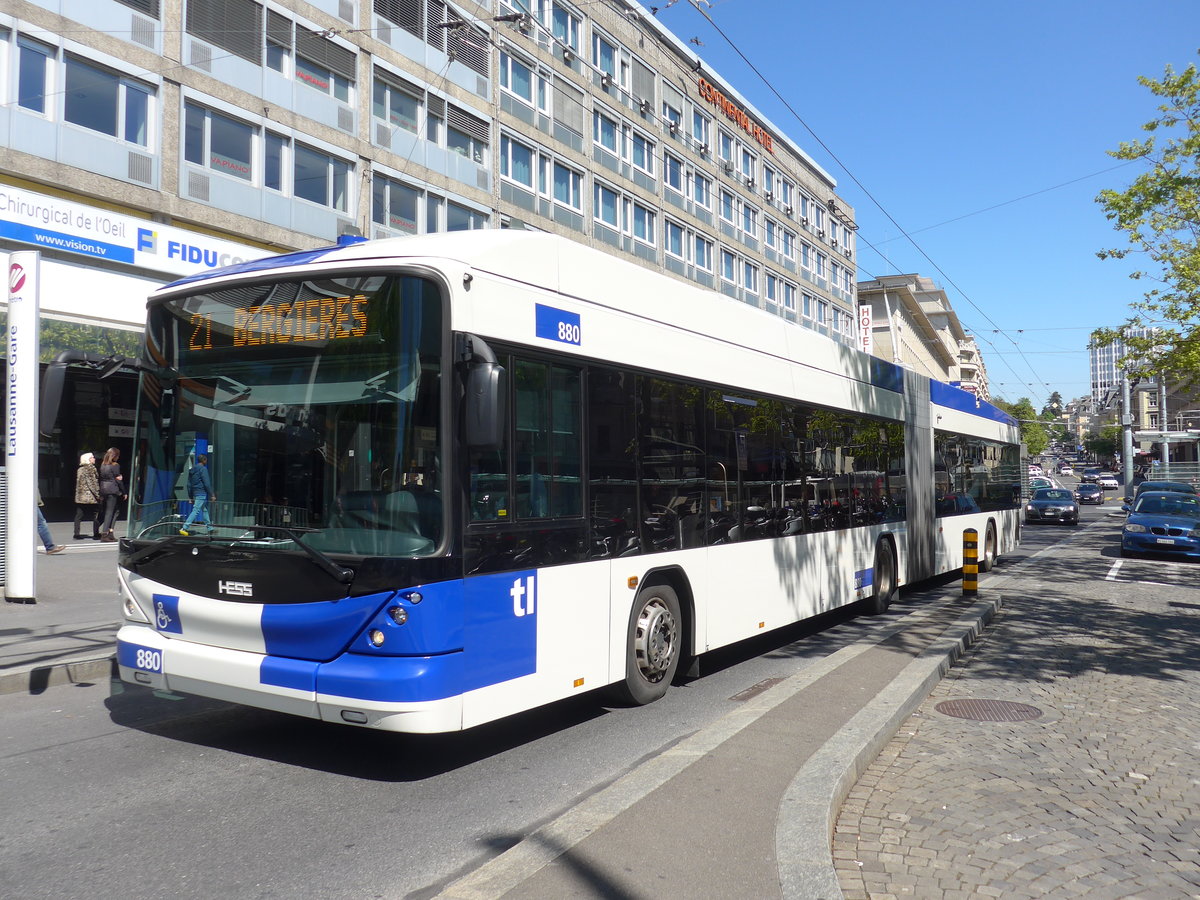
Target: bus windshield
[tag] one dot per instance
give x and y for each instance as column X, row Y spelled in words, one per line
column 316, row 404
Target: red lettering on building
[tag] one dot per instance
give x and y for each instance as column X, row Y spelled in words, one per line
column 734, row 113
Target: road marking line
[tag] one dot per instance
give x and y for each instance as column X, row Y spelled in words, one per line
column 1112, row 572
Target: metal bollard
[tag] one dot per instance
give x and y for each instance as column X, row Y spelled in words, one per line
column 970, row 562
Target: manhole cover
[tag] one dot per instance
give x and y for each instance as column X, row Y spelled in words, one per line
column 988, row 710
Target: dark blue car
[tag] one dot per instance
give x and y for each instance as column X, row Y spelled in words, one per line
column 1162, row 522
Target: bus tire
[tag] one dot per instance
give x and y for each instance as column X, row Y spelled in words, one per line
column 987, row 559
column 884, row 578
column 654, row 644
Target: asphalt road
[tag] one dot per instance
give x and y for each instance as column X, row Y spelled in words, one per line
column 110, row 792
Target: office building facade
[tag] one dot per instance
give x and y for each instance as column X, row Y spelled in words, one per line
column 148, row 139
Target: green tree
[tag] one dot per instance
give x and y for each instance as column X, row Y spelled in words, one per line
column 1054, row 406
column 1105, row 443
column 1159, row 214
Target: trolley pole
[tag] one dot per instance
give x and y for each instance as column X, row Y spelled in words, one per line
column 970, row 562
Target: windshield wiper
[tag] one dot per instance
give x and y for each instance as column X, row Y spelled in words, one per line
column 339, row 573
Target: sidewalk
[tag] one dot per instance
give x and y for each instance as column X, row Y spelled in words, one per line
column 68, row 635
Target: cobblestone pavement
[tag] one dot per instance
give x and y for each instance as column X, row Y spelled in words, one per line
column 1098, row 797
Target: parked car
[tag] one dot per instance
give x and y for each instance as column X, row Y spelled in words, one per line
column 1090, row 475
column 1107, row 480
column 1052, row 505
column 1089, row 493
column 1163, row 522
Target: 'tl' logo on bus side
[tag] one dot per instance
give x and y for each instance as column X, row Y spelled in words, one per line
column 524, row 596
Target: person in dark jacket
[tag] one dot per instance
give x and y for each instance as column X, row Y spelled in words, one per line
column 112, row 490
column 87, row 496
column 199, row 485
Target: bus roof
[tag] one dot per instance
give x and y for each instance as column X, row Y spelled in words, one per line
column 573, row 270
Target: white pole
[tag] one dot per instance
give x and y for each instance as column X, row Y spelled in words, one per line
column 21, row 421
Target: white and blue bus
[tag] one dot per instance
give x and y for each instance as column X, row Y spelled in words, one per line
column 457, row 476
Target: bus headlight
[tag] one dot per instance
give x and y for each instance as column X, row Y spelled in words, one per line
column 399, row 615
column 375, row 637
column 133, row 612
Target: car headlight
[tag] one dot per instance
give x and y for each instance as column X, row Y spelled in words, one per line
column 1031, row 508
column 1134, row 528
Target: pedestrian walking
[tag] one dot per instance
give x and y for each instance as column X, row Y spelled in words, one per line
column 43, row 530
column 112, row 490
column 199, row 486
column 87, row 496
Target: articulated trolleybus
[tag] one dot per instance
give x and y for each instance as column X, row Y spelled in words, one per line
column 457, row 476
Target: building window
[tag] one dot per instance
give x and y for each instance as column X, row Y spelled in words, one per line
column 643, row 224
column 704, row 253
column 702, row 190
column 673, row 238
column 218, row 142
column 466, row 135
column 749, row 164
column 396, row 106
column 564, row 24
column 462, row 218
column 606, row 133
column 106, row 102
column 750, row 277
column 604, row 204
column 516, row 161
column 701, row 128
column 320, row 178
column 274, row 161
column 749, row 220
column 642, row 152
column 604, row 55
column 33, row 67
column 568, row 186
column 516, row 77
column 728, row 266
column 673, row 172
column 789, row 296
column 725, row 145
column 728, row 206
column 322, row 79
column 394, row 205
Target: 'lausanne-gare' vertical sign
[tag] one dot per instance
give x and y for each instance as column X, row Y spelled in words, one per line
column 20, row 420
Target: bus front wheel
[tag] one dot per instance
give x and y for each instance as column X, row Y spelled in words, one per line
column 653, row 645
column 884, row 579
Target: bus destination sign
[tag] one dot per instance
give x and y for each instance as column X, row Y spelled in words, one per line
column 318, row 319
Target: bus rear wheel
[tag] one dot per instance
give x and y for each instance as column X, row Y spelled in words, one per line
column 884, row 579
column 653, row 645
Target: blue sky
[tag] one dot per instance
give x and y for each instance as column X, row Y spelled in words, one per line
column 947, row 113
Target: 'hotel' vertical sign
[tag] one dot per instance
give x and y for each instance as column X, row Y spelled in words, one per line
column 21, row 423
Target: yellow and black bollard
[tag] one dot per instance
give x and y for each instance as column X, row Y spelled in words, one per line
column 970, row 562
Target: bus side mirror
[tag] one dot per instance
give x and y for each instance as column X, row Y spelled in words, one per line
column 486, row 413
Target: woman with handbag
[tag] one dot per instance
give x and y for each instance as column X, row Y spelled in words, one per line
column 112, row 489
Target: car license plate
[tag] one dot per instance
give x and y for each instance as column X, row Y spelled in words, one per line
column 144, row 659
column 1164, row 541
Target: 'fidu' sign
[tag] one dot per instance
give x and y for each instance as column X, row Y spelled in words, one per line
column 20, row 421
